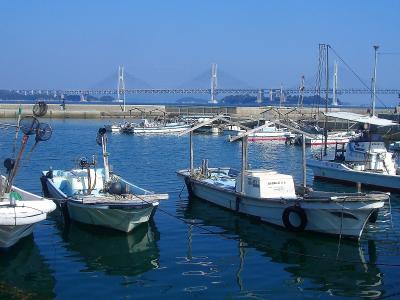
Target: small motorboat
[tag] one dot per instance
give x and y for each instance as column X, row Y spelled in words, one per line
column 149, row 127
column 20, row 211
column 273, row 197
column 363, row 160
column 99, row 197
column 114, row 127
column 269, row 132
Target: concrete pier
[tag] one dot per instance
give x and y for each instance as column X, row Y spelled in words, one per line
column 98, row 111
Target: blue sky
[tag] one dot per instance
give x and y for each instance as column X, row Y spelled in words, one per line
column 74, row 44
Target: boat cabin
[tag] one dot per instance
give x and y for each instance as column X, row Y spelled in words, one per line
column 261, row 183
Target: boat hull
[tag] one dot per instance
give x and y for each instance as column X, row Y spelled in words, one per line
column 119, row 219
column 10, row 235
column 341, row 172
column 159, row 130
column 345, row 219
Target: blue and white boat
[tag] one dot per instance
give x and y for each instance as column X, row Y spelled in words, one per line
column 99, row 197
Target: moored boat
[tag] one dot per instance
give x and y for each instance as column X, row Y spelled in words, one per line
column 273, row 198
column 333, row 138
column 269, row 132
column 20, row 211
column 147, row 127
column 113, row 127
column 364, row 160
column 97, row 196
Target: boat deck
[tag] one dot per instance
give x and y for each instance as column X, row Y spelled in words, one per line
column 122, row 199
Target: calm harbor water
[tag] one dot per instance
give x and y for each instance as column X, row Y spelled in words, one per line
column 192, row 249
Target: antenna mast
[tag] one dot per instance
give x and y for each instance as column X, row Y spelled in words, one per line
column 335, row 74
column 376, row 47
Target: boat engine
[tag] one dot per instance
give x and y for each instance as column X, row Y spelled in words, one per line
column 117, row 188
column 9, row 164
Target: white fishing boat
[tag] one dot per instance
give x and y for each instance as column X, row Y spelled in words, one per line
column 210, row 129
column 273, row 198
column 20, row 211
column 113, row 127
column 269, row 132
column 333, row 138
column 99, row 197
column 364, row 160
column 147, row 127
column 232, row 130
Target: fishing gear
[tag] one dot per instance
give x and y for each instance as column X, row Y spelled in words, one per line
column 43, row 133
column 40, row 109
column 29, row 125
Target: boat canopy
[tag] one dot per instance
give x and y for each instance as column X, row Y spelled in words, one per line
column 360, row 118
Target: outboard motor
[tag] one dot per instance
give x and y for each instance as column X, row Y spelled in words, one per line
column 117, row 188
column 9, row 164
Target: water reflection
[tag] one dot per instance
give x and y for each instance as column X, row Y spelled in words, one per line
column 114, row 253
column 24, row 274
column 308, row 257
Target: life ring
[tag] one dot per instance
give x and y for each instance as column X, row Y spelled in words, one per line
column 297, row 210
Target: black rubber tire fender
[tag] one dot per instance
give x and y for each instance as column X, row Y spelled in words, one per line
column 300, row 213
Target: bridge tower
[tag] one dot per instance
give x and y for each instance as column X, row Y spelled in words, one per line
column 282, row 96
column 213, row 84
column 121, row 87
column 260, row 96
column 271, row 95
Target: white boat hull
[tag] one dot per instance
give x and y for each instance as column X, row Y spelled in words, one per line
column 17, row 220
column 10, row 235
column 346, row 219
column 160, row 130
column 122, row 220
column 340, row 172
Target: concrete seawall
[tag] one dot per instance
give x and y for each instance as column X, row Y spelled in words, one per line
column 98, row 111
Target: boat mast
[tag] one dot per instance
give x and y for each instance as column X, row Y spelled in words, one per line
column 244, row 161
column 326, row 97
column 376, row 47
column 335, row 74
column 105, row 157
column 191, row 152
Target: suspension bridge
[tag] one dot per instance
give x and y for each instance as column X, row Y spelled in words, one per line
column 261, row 93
